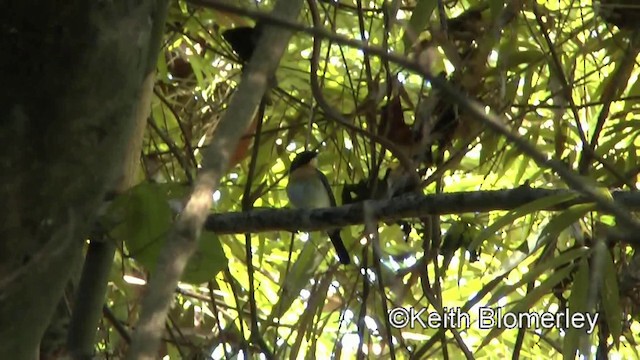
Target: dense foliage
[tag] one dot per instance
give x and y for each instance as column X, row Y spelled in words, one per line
column 555, row 72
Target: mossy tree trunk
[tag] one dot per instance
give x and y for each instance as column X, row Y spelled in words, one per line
column 73, row 75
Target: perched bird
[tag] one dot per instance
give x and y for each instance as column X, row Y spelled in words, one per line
column 308, row 188
column 243, row 40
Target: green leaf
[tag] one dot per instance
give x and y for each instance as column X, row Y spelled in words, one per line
column 162, row 69
column 527, row 302
column 512, row 59
column 145, row 220
column 533, row 274
column 521, row 211
column 610, row 294
column 558, row 223
column 419, row 19
column 299, row 275
column 207, row 261
column 577, row 303
column 496, row 7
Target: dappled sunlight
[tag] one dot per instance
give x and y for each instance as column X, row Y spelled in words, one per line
column 463, row 229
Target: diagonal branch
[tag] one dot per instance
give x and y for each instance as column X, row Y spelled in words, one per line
column 614, row 87
column 183, row 238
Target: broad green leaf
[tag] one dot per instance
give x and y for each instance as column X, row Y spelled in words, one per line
column 496, row 7
column 316, row 301
column 564, row 220
column 526, row 303
column 514, row 58
column 162, row 69
column 577, row 303
column 145, row 220
column 610, row 296
column 419, row 19
column 207, row 261
column 299, row 275
column 524, row 166
column 521, row 211
column 539, row 269
column 198, row 67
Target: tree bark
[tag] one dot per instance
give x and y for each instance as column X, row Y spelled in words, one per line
column 73, row 74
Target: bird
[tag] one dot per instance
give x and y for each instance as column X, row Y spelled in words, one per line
column 243, row 40
column 308, row 188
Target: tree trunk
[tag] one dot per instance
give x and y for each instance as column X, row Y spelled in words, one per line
column 73, row 75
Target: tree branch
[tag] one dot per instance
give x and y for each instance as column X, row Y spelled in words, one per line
column 183, row 238
column 407, row 206
column 473, row 108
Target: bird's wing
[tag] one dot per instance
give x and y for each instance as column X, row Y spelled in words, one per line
column 327, row 187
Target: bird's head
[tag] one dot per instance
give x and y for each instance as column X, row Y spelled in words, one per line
column 302, row 159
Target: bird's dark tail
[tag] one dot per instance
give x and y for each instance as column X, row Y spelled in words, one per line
column 336, row 240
